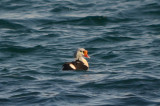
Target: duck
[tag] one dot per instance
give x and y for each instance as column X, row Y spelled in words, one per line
column 80, row 62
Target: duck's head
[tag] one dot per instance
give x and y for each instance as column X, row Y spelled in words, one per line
column 81, row 52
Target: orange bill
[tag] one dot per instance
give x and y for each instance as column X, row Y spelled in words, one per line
column 86, row 54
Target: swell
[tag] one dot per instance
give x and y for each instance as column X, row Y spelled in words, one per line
column 132, row 83
column 109, row 39
column 136, row 100
column 18, row 77
column 150, row 9
column 18, row 49
column 15, row 26
column 61, row 9
column 88, row 20
column 129, row 90
column 9, row 24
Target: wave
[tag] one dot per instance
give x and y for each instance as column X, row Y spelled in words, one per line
column 85, row 21
column 14, row 26
column 18, row 49
column 9, row 24
column 18, row 77
column 118, row 38
column 136, row 83
column 135, row 99
column 60, row 9
column 110, row 55
column 4, row 100
column 91, row 20
column 109, row 39
column 150, row 9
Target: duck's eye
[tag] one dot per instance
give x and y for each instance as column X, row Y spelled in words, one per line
column 81, row 51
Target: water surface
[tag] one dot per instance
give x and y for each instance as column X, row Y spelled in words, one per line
column 38, row 36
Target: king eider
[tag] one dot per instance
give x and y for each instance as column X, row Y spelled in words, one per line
column 80, row 62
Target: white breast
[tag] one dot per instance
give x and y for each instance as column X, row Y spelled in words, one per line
column 85, row 62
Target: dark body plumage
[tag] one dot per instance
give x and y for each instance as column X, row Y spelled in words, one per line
column 78, row 64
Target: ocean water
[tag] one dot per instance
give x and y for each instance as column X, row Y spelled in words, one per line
column 121, row 36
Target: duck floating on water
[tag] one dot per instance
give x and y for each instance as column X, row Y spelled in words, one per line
column 80, row 62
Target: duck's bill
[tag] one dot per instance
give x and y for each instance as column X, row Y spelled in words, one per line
column 86, row 54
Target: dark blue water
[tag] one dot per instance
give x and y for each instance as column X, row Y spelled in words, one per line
column 38, row 36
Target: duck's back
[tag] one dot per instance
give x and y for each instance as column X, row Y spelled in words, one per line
column 75, row 65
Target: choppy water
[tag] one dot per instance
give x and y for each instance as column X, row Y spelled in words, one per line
column 38, row 36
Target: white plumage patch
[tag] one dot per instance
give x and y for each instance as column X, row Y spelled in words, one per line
column 72, row 66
